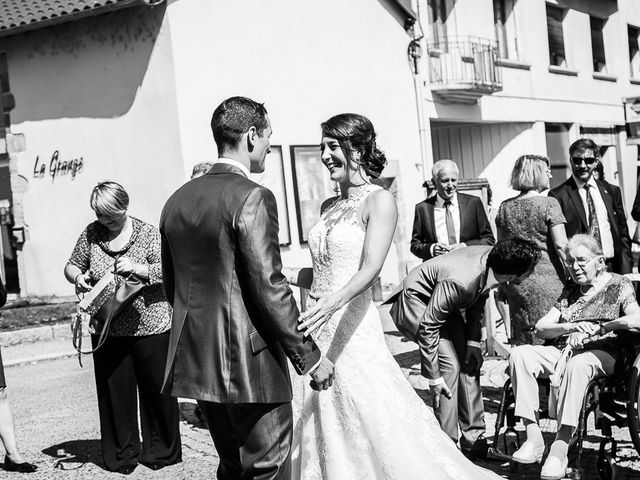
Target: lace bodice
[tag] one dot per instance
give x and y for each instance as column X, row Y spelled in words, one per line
column 336, row 241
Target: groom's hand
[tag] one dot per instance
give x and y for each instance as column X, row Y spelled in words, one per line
column 437, row 390
column 322, row 377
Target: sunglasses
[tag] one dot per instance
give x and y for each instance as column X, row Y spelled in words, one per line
column 587, row 160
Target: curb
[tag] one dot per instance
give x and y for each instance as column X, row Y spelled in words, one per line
column 47, row 333
column 40, row 358
column 61, row 331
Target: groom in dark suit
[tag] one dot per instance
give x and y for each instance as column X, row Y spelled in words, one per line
column 595, row 207
column 234, row 316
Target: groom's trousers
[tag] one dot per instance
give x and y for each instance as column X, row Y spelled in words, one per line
column 465, row 408
column 253, row 440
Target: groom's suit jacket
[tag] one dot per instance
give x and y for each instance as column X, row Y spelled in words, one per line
column 234, row 316
column 433, row 291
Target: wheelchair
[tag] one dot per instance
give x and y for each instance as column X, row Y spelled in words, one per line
column 613, row 401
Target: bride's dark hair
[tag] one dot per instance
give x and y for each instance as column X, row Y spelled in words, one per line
column 355, row 133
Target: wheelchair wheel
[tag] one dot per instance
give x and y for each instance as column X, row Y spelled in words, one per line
column 607, row 467
column 633, row 407
column 511, row 449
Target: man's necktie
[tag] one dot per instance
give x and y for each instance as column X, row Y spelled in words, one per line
column 594, row 227
column 451, row 229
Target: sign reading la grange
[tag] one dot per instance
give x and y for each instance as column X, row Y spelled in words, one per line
column 58, row 167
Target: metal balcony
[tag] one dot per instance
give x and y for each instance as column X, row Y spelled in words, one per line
column 463, row 69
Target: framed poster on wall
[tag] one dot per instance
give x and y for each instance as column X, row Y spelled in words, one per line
column 312, row 186
column 273, row 179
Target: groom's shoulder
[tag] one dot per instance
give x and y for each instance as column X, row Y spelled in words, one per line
column 462, row 265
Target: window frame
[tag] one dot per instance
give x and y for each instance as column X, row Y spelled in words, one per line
column 634, row 57
column 561, row 52
column 598, row 66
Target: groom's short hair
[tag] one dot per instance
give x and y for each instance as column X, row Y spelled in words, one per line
column 233, row 118
column 515, row 256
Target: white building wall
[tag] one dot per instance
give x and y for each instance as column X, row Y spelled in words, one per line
column 131, row 93
column 533, row 93
column 307, row 61
column 100, row 90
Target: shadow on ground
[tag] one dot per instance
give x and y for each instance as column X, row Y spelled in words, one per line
column 75, row 454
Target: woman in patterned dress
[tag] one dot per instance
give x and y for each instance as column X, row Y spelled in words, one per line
column 593, row 315
column 134, row 354
column 538, row 218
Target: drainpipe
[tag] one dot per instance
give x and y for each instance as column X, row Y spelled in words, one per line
column 414, row 52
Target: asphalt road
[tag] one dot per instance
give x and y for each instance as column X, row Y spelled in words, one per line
column 56, row 417
column 57, row 423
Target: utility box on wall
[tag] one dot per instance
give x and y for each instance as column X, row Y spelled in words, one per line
column 632, row 120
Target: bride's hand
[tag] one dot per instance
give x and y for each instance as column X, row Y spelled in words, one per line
column 319, row 314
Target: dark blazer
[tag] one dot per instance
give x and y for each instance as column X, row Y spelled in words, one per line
column 475, row 228
column 635, row 211
column 234, row 316
column 435, row 290
column 572, row 208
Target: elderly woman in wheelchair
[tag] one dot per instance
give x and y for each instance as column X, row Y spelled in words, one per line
column 593, row 318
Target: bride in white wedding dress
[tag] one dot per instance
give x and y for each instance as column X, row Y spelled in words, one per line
column 370, row 424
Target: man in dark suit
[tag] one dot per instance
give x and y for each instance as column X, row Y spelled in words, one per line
column 445, row 222
column 595, row 207
column 427, row 309
column 448, row 220
column 234, row 316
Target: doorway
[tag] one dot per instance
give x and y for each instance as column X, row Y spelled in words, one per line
column 8, row 250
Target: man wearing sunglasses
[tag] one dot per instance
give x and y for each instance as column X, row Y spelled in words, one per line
column 595, row 207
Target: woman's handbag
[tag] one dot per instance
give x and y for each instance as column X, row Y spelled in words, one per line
column 106, row 300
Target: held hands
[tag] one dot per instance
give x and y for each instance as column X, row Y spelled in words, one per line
column 582, row 331
column 440, row 249
column 437, row 390
column 589, row 328
column 124, row 266
column 319, row 314
column 322, row 377
column 82, row 283
column 576, row 339
column 473, row 360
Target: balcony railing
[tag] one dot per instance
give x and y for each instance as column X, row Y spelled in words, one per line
column 462, row 69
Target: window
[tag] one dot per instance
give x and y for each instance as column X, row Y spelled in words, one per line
column 504, row 21
column 634, row 51
column 438, row 19
column 312, row 186
column 558, row 151
column 555, row 16
column 597, row 45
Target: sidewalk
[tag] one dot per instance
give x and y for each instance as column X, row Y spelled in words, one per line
column 38, row 344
